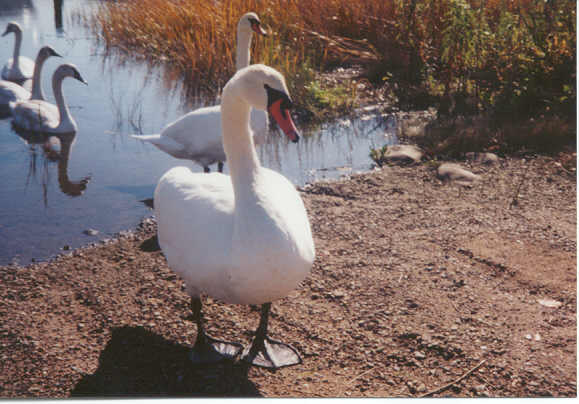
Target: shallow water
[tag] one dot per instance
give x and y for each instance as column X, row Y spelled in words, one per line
column 53, row 190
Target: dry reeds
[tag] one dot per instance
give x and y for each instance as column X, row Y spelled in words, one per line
column 516, row 56
column 198, row 36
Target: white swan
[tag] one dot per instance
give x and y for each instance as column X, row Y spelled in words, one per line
column 10, row 91
column 244, row 238
column 197, row 135
column 18, row 67
column 42, row 116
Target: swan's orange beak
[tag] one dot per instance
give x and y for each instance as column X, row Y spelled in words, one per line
column 284, row 120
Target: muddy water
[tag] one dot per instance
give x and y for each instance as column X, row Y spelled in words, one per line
column 63, row 192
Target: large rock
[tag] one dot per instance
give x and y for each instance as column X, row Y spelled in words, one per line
column 450, row 172
column 403, row 154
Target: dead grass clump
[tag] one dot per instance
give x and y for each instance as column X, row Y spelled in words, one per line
column 198, row 37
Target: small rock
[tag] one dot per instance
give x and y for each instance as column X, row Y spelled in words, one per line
column 419, row 355
column 421, row 388
column 485, row 158
column 550, row 303
column 529, row 337
column 90, row 232
column 455, row 173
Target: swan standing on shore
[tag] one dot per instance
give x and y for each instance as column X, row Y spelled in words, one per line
column 10, row 91
column 244, row 238
column 18, row 68
column 42, row 116
column 197, row 135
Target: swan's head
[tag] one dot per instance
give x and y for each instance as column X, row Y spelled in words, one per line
column 264, row 88
column 250, row 22
column 12, row 27
column 46, row 51
column 69, row 70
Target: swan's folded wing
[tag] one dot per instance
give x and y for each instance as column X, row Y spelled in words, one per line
column 34, row 115
column 194, row 222
column 10, row 91
column 198, row 130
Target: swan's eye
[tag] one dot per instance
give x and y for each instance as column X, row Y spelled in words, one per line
column 274, row 95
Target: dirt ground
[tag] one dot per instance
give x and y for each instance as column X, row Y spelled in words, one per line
column 419, row 288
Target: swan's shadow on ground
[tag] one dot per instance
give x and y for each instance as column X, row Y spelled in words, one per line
column 139, row 363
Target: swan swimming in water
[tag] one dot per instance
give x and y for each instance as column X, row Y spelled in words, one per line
column 42, row 116
column 18, row 68
column 10, row 91
column 197, row 135
column 244, row 238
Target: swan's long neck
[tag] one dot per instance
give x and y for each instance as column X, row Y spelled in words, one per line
column 17, row 44
column 63, row 111
column 243, row 55
column 238, row 141
column 37, row 93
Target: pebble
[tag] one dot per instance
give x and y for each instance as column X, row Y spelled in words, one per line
column 419, row 355
column 549, row 303
column 485, row 158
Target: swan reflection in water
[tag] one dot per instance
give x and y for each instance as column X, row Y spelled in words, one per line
column 55, row 148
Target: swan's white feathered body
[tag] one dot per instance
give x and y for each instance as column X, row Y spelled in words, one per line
column 249, row 256
column 22, row 70
column 197, row 135
column 243, row 238
column 10, row 91
column 42, row 116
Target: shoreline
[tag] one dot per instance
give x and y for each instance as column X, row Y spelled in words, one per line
column 415, row 282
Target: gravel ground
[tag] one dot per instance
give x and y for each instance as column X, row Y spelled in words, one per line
column 419, row 288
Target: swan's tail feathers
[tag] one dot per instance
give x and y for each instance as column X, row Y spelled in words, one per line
column 163, row 143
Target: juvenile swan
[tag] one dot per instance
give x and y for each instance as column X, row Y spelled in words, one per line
column 244, row 238
column 197, row 135
column 18, row 68
column 42, row 116
column 10, row 91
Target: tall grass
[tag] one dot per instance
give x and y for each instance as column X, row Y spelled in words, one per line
column 514, row 56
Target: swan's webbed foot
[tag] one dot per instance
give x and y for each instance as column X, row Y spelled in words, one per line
column 206, row 169
column 272, row 354
column 220, row 166
column 211, row 350
column 208, row 349
column 267, row 352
